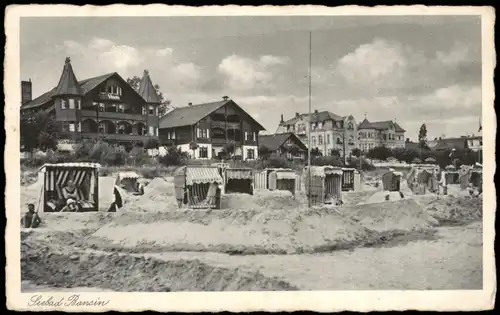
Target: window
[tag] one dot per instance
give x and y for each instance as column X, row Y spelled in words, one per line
column 71, row 127
column 71, row 102
column 255, row 136
column 102, row 89
column 102, row 107
column 173, row 134
column 246, row 136
column 350, row 126
column 120, row 108
column 156, row 131
column 144, row 130
column 203, row 152
column 320, row 125
column 151, row 130
column 64, row 104
column 151, row 111
column 144, row 110
column 250, row 154
column 121, row 129
column 119, row 91
column 320, row 139
column 202, row 133
column 78, row 104
column 79, row 127
column 102, row 127
column 109, row 89
column 327, row 139
column 313, row 140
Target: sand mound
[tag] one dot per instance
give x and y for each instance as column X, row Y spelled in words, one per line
column 263, row 199
column 450, row 209
column 405, row 215
column 44, row 265
column 380, row 196
column 159, row 195
column 355, row 197
column 243, row 231
column 30, row 194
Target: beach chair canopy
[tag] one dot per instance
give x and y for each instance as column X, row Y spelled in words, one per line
column 285, row 174
column 239, row 173
column 199, row 175
column 128, row 175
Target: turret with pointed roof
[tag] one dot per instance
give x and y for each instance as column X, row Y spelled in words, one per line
column 147, row 90
column 68, row 84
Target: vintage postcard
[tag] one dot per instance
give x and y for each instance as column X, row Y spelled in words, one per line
column 175, row 158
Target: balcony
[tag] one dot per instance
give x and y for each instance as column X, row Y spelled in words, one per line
column 224, row 125
column 218, row 141
column 115, row 136
column 113, row 115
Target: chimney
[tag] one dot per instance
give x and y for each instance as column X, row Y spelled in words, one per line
column 225, row 97
column 26, row 92
column 281, row 121
column 297, row 115
column 190, row 104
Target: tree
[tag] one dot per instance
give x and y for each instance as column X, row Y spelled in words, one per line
column 315, row 152
column 399, row 154
column 356, row 152
column 379, row 153
column 39, row 130
column 264, row 151
column 335, row 153
column 151, row 143
column 164, row 106
column 229, row 148
column 422, row 137
column 193, row 146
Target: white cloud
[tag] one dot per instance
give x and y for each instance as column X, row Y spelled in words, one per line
column 378, row 64
column 104, row 53
column 165, row 52
column 244, row 73
column 187, row 74
column 453, row 97
column 459, row 53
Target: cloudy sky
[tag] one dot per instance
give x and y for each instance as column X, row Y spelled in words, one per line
column 409, row 69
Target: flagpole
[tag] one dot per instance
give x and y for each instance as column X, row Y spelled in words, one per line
column 309, row 127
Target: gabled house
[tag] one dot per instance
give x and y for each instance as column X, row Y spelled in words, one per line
column 380, row 133
column 104, row 107
column 329, row 131
column 211, row 126
column 284, row 144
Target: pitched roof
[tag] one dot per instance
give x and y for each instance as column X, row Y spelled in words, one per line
column 315, row 117
column 68, row 84
column 380, row 125
column 190, row 115
column 274, row 142
column 147, row 89
column 86, row 86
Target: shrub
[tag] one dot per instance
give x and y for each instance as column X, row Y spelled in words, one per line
column 275, row 161
column 365, row 164
column 327, row 160
column 173, row 157
column 150, row 172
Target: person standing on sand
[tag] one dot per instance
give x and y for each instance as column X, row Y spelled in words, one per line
column 31, row 218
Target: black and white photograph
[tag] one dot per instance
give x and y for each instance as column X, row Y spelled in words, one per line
column 220, row 152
